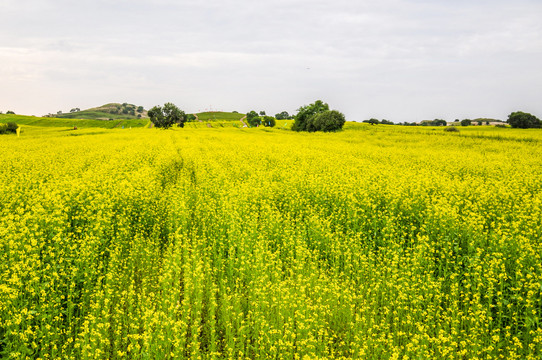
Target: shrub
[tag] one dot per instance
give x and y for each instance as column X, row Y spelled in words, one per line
column 306, row 112
column 523, row 120
column 330, row 120
column 9, row 128
column 254, row 120
column 451, row 129
column 269, row 121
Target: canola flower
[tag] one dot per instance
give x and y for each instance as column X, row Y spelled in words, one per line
column 211, row 243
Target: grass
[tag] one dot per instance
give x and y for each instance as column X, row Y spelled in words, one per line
column 70, row 123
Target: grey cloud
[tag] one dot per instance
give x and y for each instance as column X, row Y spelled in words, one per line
column 399, row 59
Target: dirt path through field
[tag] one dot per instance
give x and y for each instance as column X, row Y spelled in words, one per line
column 242, row 120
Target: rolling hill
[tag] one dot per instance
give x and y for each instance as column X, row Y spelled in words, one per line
column 111, row 111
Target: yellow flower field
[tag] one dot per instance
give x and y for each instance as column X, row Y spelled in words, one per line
column 377, row 242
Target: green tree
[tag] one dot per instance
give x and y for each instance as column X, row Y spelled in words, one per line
column 254, row 121
column 262, row 113
column 466, row 122
column 140, row 109
column 330, row 120
column 167, row 116
column 13, row 113
column 438, row 122
column 282, row 115
column 269, row 121
column 306, row 112
column 252, row 118
column 372, row 121
column 523, row 120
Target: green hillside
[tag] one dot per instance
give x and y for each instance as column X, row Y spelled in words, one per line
column 70, row 123
column 219, row 116
column 112, row 111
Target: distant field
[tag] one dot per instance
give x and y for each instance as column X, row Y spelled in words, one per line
column 70, row 123
column 219, row 116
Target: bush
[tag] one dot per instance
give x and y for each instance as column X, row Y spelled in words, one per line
column 466, row 122
column 523, row 120
column 9, row 128
column 269, row 121
column 330, row 120
column 254, row 121
column 451, row 129
column 307, row 112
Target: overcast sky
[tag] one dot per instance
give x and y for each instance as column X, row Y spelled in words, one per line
column 402, row 60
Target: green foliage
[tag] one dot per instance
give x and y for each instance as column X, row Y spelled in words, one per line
column 269, row 121
column 10, row 112
column 523, row 120
column 9, row 128
column 283, row 116
column 372, row 121
column 451, row 129
column 435, row 122
column 254, row 120
column 466, row 122
column 330, row 120
column 167, row 116
column 306, row 112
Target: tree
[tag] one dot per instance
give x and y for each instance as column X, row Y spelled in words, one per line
column 282, row 115
column 140, row 109
column 523, row 120
column 254, row 121
column 438, row 122
column 466, row 122
column 372, row 121
column 306, row 112
column 13, row 113
column 387, row 122
column 167, row 116
column 262, row 113
column 269, row 121
column 330, row 120
column 252, row 118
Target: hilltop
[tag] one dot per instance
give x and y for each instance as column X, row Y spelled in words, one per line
column 111, row 111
